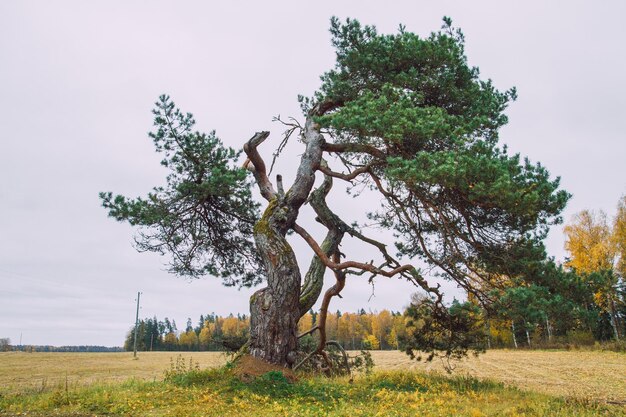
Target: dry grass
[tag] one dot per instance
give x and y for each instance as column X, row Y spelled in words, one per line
column 589, row 375
column 584, row 375
column 19, row 370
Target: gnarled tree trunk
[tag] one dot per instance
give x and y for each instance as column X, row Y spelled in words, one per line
column 275, row 309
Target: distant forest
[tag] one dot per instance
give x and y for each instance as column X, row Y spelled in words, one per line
column 48, row 348
column 360, row 330
column 523, row 324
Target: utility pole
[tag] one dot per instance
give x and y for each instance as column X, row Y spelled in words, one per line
column 136, row 325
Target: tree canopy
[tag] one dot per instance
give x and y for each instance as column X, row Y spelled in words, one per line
column 399, row 115
column 419, row 126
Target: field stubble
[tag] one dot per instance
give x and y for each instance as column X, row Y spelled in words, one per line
column 585, row 375
column 20, row 370
column 597, row 376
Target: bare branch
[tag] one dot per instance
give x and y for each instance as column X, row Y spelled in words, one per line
column 347, row 264
column 418, row 233
column 311, row 330
column 292, row 127
column 303, row 361
column 340, row 283
column 279, row 185
column 332, row 221
column 345, row 177
column 354, row 148
column 293, row 122
column 314, row 278
column 259, row 170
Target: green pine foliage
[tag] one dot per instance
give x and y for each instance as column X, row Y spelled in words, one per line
column 433, row 332
column 204, row 215
column 457, row 199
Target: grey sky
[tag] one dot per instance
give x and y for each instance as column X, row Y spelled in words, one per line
column 77, row 83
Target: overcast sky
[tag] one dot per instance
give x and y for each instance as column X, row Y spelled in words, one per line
column 78, row 80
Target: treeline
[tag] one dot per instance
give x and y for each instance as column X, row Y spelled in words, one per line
column 360, row 330
column 530, row 317
column 48, row 348
column 562, row 308
column 580, row 302
column 211, row 333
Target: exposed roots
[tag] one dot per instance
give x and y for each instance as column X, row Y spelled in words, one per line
column 335, row 361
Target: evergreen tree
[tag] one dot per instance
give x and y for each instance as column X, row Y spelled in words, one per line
column 406, row 117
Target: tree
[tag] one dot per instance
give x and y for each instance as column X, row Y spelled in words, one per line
column 588, row 241
column 188, row 340
column 151, row 335
column 371, row 342
column 170, row 341
column 449, row 333
column 231, row 325
column 141, row 337
column 525, row 305
column 596, row 253
column 619, row 237
column 206, row 335
column 406, row 118
column 398, row 331
column 305, row 323
column 5, row 344
column 381, row 325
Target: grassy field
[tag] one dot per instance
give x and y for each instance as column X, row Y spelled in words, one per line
column 590, row 375
column 561, row 383
column 19, row 370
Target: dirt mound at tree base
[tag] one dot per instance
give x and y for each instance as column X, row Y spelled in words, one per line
column 248, row 368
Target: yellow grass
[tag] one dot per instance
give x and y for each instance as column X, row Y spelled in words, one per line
column 590, row 375
column 19, row 370
column 584, row 375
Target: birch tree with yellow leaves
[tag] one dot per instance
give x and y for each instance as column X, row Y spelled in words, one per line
column 597, row 253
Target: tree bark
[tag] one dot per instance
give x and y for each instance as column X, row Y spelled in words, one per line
column 488, row 331
column 275, row 309
column 513, row 331
column 614, row 322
